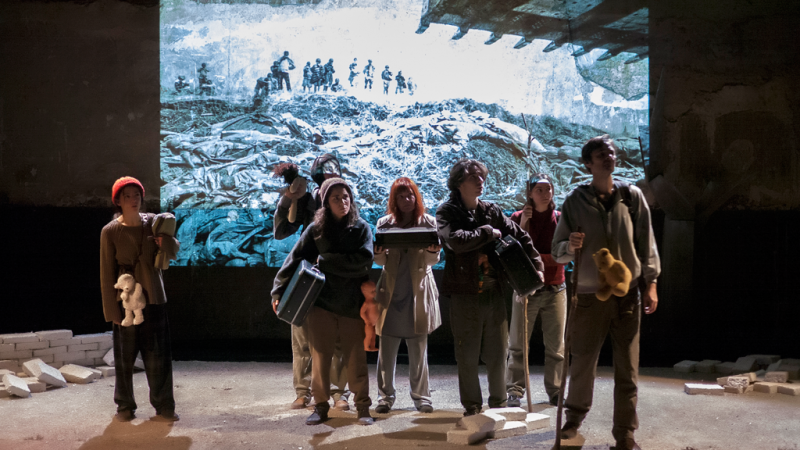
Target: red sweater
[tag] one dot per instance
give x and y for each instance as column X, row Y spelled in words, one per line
column 541, row 227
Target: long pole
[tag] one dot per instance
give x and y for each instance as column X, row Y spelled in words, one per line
column 573, row 300
column 525, row 354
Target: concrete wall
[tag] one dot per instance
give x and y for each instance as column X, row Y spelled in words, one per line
column 79, row 107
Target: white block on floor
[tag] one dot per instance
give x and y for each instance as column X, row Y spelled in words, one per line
column 535, row 421
column 738, row 381
column 737, row 389
column 5, row 371
column 50, row 351
column 76, row 374
column 64, row 342
column 32, row 367
column 745, row 364
column 107, row 371
column 464, row 437
column 17, row 354
column 15, row 386
column 477, row 422
column 97, row 374
column 18, row 338
column 498, row 419
column 94, row 338
column 707, row 366
column 515, row 413
column 35, row 385
column 685, row 366
column 53, row 335
column 766, row 387
column 43, row 372
column 510, row 428
column 109, row 358
column 84, row 347
column 765, row 359
column 777, row 377
column 725, row 368
column 789, row 389
column 703, row 389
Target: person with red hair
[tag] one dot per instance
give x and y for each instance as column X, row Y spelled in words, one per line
column 407, row 298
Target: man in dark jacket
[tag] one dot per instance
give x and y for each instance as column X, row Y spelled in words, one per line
column 317, row 75
column 328, row 74
column 469, row 229
column 386, row 76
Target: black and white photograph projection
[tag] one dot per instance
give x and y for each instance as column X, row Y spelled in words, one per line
column 391, row 88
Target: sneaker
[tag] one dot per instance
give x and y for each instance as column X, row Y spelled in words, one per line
column 317, row 417
column 341, row 405
column 383, row 408
column 124, row 416
column 513, row 401
column 364, row 418
column 569, row 430
column 427, row 409
column 627, row 444
column 166, row 416
column 300, row 403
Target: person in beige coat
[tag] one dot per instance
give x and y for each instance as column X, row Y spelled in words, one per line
column 407, row 298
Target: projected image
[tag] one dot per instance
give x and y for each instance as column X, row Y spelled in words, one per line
column 391, row 88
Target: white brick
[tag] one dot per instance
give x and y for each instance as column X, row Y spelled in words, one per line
column 464, row 437
column 766, row 387
column 15, row 386
column 72, row 356
column 52, row 335
column 97, row 374
column 50, row 351
column 789, row 389
column 45, row 373
column 9, row 365
column 476, row 422
column 105, row 345
column 516, row 413
column 510, row 428
column 76, row 374
column 765, row 359
column 31, row 345
column 94, row 338
column 498, row 419
column 725, row 368
column 685, row 366
column 5, row 371
column 18, row 338
column 777, row 377
column 707, row 366
column 82, row 347
column 7, row 348
column 17, row 354
column 109, row 358
column 65, row 342
column 738, row 389
column 107, row 371
column 35, row 385
column 96, row 354
column 703, row 389
column 745, row 364
column 535, row 421
column 739, row 381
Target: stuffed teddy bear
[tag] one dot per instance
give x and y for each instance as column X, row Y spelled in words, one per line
column 613, row 275
column 369, row 312
column 132, row 299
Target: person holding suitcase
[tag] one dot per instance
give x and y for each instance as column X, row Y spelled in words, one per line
column 469, row 229
column 340, row 242
column 539, row 218
column 407, row 299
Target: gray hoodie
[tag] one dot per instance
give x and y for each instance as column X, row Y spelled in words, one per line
column 613, row 229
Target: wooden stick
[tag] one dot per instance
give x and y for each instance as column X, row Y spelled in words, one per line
column 525, row 354
column 573, row 301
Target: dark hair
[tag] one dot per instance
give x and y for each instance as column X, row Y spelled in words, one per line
column 458, row 173
column 317, row 167
column 400, row 185
column 596, row 143
column 325, row 225
column 535, row 178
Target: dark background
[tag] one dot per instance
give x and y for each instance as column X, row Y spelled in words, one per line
column 79, row 107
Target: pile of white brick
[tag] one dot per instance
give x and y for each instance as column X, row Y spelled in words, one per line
column 33, row 362
column 776, row 375
column 496, row 423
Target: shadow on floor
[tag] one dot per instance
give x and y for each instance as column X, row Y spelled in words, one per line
column 149, row 435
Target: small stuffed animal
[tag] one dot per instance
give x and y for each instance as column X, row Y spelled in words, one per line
column 613, row 275
column 132, row 299
column 369, row 312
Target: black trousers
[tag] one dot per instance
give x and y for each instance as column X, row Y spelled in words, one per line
column 480, row 329
column 152, row 339
column 284, row 76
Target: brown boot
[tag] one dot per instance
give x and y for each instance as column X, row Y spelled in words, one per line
column 300, row 403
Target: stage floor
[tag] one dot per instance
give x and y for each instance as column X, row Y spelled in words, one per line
column 246, row 406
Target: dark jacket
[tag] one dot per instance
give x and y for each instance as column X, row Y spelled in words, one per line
column 306, row 207
column 466, row 236
column 345, row 261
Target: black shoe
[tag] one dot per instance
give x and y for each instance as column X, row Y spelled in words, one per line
column 383, row 408
column 554, row 400
column 513, row 401
column 318, row 416
column 166, row 416
column 363, row 416
column 427, row 409
column 627, row 444
column 472, row 411
column 569, row 430
column 124, row 416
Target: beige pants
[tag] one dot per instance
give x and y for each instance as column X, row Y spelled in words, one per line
column 301, row 366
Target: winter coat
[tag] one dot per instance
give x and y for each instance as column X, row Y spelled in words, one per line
column 426, row 296
column 386, row 75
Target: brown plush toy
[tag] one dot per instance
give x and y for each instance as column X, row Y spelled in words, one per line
column 613, row 275
column 369, row 312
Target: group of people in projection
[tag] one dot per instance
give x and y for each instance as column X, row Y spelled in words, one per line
column 329, row 349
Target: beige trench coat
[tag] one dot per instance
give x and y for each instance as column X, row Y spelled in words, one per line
column 426, row 296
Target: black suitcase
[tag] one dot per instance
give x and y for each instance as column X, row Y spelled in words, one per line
column 416, row 237
column 301, row 293
column 519, row 268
